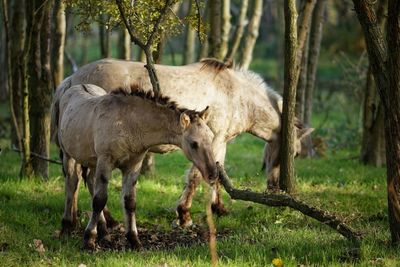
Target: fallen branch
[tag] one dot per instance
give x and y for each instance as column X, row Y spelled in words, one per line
column 282, row 199
column 33, row 154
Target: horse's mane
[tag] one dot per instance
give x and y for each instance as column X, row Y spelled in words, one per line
column 158, row 99
column 215, row 64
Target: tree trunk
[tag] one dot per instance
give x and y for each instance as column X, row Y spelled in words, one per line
column 286, row 181
column 385, row 63
column 214, row 39
column 104, row 38
column 40, row 86
column 17, row 36
column 373, row 143
column 190, row 38
column 58, row 40
column 373, row 140
column 237, row 37
column 252, row 34
column 226, row 27
column 124, row 44
column 313, row 54
column 303, row 37
column 3, row 60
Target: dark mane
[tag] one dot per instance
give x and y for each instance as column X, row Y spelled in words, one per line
column 165, row 101
column 216, row 65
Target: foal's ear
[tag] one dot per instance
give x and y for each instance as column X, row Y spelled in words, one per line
column 185, row 120
column 205, row 113
column 304, row 132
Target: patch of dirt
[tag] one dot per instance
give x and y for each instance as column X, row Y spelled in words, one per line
column 153, row 237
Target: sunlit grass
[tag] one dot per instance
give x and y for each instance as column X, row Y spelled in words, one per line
column 32, row 210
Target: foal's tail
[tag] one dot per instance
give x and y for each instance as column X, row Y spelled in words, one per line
column 55, row 109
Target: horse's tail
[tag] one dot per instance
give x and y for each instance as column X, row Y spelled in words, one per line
column 55, row 109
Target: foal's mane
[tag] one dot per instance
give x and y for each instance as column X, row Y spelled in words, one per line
column 157, row 99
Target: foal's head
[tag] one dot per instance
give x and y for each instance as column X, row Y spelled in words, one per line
column 196, row 142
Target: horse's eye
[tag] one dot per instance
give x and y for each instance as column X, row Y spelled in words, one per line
column 194, row 145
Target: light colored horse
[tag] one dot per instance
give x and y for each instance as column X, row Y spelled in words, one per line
column 239, row 101
column 107, row 131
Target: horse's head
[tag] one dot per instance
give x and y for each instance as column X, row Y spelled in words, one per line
column 196, row 143
column 272, row 150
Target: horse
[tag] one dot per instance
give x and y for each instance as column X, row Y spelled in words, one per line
column 239, row 101
column 104, row 131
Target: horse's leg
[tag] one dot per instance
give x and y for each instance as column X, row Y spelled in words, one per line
column 217, row 206
column 71, row 172
column 185, row 202
column 102, row 176
column 271, row 160
column 129, row 203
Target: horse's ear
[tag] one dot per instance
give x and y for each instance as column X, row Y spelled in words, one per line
column 205, row 113
column 301, row 133
column 185, row 120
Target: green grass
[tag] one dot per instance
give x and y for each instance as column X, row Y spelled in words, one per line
column 32, row 210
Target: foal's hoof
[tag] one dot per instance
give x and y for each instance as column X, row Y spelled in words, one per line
column 219, row 209
column 67, row 227
column 89, row 241
column 134, row 241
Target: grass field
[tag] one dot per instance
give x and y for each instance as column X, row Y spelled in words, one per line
column 257, row 234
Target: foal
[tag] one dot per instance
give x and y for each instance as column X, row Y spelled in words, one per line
column 107, row 131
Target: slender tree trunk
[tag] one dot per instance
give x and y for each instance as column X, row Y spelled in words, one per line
column 286, row 180
column 190, row 38
column 124, row 44
column 313, row 54
column 26, row 166
column 301, row 86
column 385, row 63
column 17, row 36
column 3, row 60
column 104, row 39
column 373, row 143
column 40, row 86
column 204, row 45
column 226, row 26
column 57, row 53
column 237, row 37
column 252, row 34
column 214, row 39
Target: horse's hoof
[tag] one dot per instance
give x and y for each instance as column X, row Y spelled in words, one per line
column 134, row 241
column 67, row 227
column 102, row 231
column 219, row 209
column 89, row 241
column 178, row 224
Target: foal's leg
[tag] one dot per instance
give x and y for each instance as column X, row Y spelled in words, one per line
column 102, row 176
column 129, row 202
column 102, row 224
column 71, row 170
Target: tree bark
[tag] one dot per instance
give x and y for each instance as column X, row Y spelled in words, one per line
column 226, row 27
column 373, row 139
column 252, row 34
column 17, row 35
column 214, row 39
column 124, row 44
column 58, row 42
column 285, row 200
column 286, row 181
column 301, row 85
column 104, row 38
column 40, row 86
column 3, row 60
column 190, row 38
column 237, row 36
column 313, row 54
column 385, row 63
